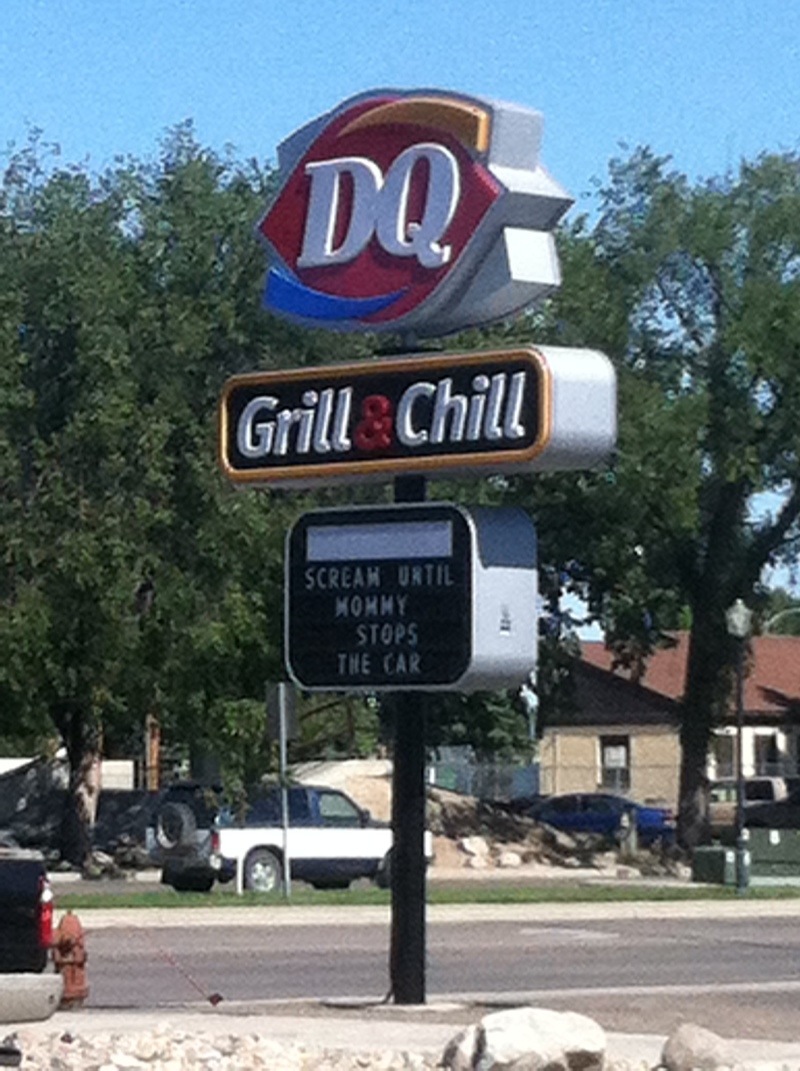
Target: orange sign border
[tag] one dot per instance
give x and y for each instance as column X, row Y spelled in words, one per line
column 362, row 470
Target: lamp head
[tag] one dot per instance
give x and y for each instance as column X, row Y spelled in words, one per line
column 737, row 619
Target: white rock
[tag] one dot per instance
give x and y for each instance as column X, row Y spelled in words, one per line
column 413, row 1061
column 693, row 1048
column 476, row 846
column 605, row 860
column 763, row 1065
column 125, row 1061
column 149, row 1047
column 460, row 1050
column 626, row 873
column 509, row 860
column 528, row 1038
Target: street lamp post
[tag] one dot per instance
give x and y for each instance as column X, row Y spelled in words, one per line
column 738, row 618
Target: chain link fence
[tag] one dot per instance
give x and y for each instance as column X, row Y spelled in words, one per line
column 496, row 781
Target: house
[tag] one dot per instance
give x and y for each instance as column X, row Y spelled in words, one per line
column 623, row 735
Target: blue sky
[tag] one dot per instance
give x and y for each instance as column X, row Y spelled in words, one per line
column 707, row 81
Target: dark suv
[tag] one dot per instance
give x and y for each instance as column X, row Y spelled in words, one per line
column 180, row 837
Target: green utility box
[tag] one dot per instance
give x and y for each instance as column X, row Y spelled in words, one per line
column 775, row 852
column 716, row 865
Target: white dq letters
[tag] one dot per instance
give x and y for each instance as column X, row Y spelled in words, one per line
column 380, row 207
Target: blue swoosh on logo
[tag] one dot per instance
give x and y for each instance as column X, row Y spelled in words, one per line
column 287, row 294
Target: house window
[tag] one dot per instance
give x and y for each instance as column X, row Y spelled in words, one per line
column 615, row 765
column 767, row 755
column 723, row 751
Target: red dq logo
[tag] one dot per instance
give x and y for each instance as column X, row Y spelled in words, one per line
column 392, row 205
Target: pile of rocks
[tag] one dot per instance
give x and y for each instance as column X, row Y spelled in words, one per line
column 518, row 1038
column 172, row 1050
column 489, row 834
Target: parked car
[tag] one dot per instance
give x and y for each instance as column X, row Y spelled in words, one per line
column 776, row 814
column 179, row 838
column 758, row 792
column 26, row 912
column 332, row 841
column 198, row 839
column 604, row 813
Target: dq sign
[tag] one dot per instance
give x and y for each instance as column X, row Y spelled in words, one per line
column 414, row 212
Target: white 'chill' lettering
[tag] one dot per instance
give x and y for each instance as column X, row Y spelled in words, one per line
column 493, row 411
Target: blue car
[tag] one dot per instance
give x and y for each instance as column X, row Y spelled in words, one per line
column 603, row 813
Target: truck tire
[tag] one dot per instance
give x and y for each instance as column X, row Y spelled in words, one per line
column 175, row 826
column 192, row 882
column 263, row 871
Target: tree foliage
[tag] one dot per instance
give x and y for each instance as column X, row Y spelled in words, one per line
column 134, row 580
column 694, row 291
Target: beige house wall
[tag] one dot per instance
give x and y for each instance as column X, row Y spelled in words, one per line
column 570, row 761
column 655, row 766
column 567, row 761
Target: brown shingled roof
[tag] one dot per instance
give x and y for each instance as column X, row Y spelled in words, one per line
column 772, row 685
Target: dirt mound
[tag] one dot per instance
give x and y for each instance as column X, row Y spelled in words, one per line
column 367, row 781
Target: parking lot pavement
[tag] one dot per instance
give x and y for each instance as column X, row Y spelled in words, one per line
column 387, row 1026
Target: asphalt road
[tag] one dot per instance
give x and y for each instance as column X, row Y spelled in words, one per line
column 737, row 976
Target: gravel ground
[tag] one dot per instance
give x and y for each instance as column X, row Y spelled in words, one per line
column 167, row 1049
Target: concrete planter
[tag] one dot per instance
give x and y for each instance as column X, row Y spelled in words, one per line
column 28, row 997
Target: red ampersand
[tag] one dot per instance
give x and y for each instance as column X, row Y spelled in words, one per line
column 375, row 429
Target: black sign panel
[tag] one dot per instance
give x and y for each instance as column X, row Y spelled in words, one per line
column 379, row 598
column 378, row 418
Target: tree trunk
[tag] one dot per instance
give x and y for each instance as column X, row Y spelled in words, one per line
column 82, row 738
column 705, row 694
column 693, row 825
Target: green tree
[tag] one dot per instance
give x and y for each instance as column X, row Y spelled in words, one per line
column 694, row 291
column 71, row 427
column 134, row 581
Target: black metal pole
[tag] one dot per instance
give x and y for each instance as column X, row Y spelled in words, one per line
column 407, row 953
column 407, row 956
column 741, row 844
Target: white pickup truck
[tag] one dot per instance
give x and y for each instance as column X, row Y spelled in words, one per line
column 330, row 840
column 757, row 791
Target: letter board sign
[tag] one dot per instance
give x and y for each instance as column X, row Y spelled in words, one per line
column 418, row 596
column 378, row 598
column 412, row 211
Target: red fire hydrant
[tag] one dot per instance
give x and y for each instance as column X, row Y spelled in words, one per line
column 69, row 958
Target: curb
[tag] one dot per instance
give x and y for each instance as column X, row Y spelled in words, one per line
column 280, row 914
